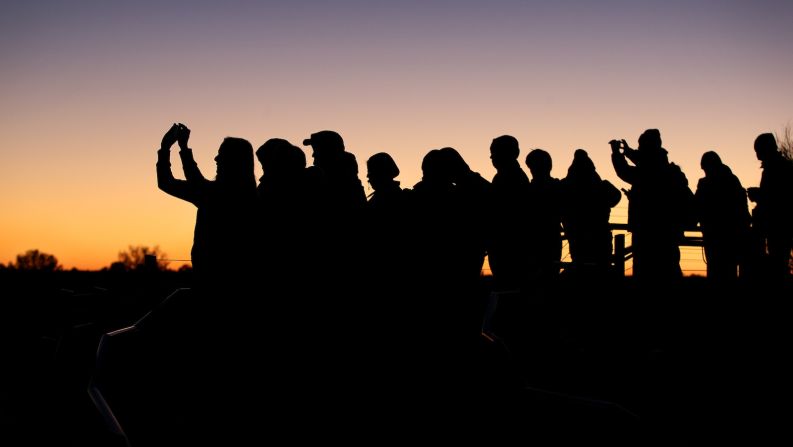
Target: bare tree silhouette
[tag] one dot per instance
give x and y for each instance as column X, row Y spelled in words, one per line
column 34, row 260
column 135, row 256
column 785, row 141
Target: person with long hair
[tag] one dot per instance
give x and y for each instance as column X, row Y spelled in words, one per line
column 224, row 220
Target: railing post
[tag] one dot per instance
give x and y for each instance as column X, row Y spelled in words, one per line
column 619, row 254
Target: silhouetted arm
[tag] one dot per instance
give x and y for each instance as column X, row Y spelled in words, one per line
column 624, row 171
column 190, row 167
column 191, row 171
column 168, row 183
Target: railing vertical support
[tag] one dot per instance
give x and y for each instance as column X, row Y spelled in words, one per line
column 619, row 255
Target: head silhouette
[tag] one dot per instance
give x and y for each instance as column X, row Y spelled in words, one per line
column 271, row 153
column 294, row 159
column 504, row 151
column 381, row 170
column 765, row 146
column 277, row 155
column 432, row 167
column 347, row 165
column 539, row 163
column 710, row 162
column 326, row 145
column 453, row 164
column 650, row 139
column 235, row 161
column 582, row 166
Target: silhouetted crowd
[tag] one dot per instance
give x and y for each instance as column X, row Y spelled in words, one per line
column 317, row 309
column 317, row 220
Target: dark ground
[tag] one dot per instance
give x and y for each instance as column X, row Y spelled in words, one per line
column 679, row 365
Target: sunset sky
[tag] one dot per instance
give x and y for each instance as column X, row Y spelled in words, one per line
column 89, row 87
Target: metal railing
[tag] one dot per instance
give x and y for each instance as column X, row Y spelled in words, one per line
column 623, row 253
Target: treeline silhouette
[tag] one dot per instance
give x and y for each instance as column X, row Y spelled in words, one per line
column 313, row 309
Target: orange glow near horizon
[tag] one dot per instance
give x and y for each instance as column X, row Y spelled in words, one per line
column 88, row 91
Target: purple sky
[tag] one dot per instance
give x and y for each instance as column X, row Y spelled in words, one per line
column 89, row 87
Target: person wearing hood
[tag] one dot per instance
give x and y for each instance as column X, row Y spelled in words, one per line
column 724, row 217
column 587, row 201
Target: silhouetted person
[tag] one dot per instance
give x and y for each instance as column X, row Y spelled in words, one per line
column 387, row 216
column 336, row 171
column 451, row 217
column 450, row 206
column 283, row 207
column 337, row 201
column 331, row 307
column 216, row 325
column 223, row 230
column 544, row 233
column 472, row 196
column 508, row 253
column 388, row 302
column 724, row 218
column 435, row 214
column 586, row 207
column 772, row 220
column 658, row 207
column 282, row 186
column 388, row 198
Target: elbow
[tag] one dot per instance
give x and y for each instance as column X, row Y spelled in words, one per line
column 163, row 184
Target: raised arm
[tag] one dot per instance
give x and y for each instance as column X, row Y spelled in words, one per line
column 190, row 167
column 165, row 179
column 621, row 167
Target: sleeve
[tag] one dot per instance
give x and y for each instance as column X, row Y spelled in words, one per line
column 168, row 183
column 190, row 167
column 624, row 171
column 611, row 194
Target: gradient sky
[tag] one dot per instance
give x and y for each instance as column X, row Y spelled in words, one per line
column 89, row 87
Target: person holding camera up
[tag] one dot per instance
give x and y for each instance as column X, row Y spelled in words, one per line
column 659, row 204
column 224, row 219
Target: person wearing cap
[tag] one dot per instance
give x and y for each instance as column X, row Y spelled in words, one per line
column 336, row 172
column 333, row 261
